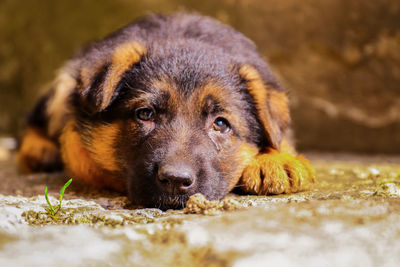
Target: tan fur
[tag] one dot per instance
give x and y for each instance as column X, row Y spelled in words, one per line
column 259, row 92
column 80, row 163
column 245, row 154
column 276, row 173
column 217, row 91
column 170, row 88
column 102, row 147
column 124, row 56
column 57, row 108
column 279, row 104
column 35, row 148
column 88, row 72
column 159, row 87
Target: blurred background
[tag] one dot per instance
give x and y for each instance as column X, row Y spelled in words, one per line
column 340, row 59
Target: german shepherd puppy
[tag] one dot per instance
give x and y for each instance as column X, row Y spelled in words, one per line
column 164, row 108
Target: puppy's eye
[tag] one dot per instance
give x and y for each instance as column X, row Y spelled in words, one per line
column 221, row 125
column 144, row 113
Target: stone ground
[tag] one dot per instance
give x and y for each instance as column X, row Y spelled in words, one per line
column 350, row 218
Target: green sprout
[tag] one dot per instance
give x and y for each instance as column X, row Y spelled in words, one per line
column 52, row 211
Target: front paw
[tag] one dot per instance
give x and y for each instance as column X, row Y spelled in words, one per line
column 276, row 173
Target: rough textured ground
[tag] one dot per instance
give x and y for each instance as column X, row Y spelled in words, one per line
column 350, row 218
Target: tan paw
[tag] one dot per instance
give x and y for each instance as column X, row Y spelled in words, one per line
column 277, row 172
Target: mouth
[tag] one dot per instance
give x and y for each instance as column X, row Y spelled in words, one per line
column 165, row 202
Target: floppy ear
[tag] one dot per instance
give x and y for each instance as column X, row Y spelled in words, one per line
column 98, row 81
column 271, row 104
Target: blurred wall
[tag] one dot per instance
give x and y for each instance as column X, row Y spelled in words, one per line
column 340, row 59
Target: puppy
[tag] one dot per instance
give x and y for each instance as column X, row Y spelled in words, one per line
column 164, row 108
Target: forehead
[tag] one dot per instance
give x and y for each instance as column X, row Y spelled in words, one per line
column 185, row 78
column 187, row 65
column 167, row 95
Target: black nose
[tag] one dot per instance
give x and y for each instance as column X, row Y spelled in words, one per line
column 176, row 179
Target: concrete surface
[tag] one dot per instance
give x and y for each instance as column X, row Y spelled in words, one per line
column 350, row 218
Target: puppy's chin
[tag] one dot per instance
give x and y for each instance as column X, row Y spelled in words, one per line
column 165, row 202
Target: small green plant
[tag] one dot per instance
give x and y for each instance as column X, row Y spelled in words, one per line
column 52, row 211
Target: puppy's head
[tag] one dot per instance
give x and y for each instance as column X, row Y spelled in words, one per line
column 173, row 120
